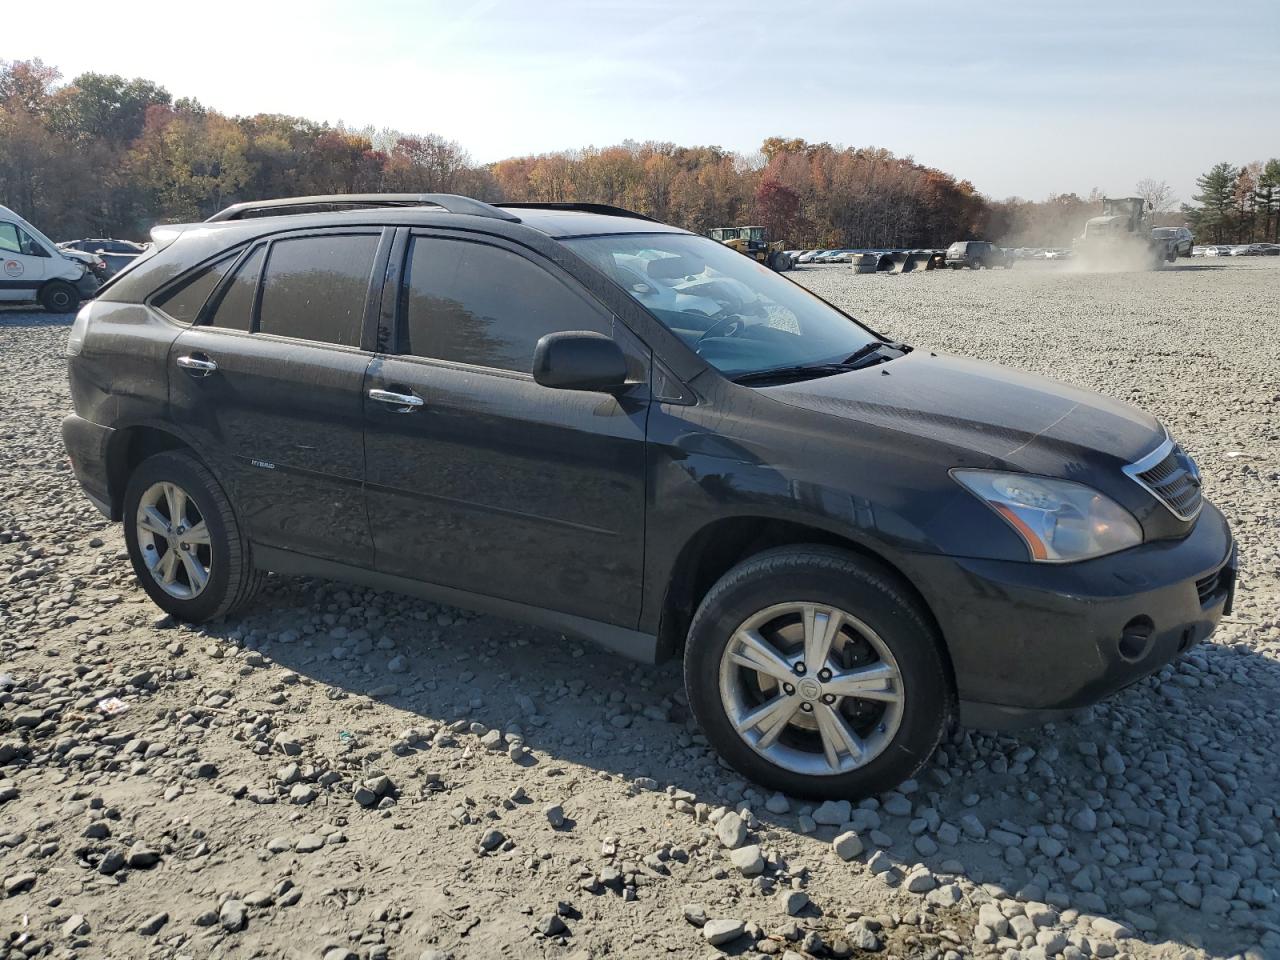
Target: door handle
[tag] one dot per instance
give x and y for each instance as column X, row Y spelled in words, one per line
column 401, row 402
column 197, row 366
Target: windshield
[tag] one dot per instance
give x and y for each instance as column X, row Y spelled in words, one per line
column 1163, row 233
column 735, row 313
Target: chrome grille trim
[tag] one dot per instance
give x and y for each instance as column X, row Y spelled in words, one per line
column 1162, row 474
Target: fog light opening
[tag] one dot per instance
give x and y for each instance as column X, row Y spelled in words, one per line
column 1135, row 639
column 1188, row 638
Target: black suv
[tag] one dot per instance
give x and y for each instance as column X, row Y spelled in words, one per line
column 579, row 417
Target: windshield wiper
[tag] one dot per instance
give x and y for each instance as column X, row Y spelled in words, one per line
column 875, row 349
column 797, row 372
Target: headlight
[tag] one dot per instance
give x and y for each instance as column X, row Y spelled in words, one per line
column 1060, row 521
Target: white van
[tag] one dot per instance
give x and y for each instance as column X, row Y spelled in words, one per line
column 34, row 269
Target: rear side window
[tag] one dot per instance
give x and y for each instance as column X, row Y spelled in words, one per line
column 472, row 303
column 234, row 310
column 184, row 301
column 314, row 288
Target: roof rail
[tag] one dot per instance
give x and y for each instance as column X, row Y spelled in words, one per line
column 602, row 208
column 284, row 206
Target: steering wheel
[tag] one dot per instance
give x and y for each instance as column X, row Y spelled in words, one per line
column 732, row 325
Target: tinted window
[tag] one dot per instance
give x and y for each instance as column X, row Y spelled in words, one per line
column 9, row 238
column 235, row 308
column 184, row 301
column 472, row 303
column 314, row 288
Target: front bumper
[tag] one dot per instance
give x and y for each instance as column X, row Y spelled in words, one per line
column 87, row 445
column 1030, row 642
column 88, row 285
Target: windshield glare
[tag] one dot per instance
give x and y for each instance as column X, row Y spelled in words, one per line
column 737, row 314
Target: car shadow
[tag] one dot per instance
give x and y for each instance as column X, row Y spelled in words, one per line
column 1133, row 859
column 25, row 315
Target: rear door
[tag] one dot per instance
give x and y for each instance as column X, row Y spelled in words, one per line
column 268, row 384
column 23, row 263
column 487, row 481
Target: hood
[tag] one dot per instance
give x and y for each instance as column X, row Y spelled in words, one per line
column 79, row 256
column 1017, row 419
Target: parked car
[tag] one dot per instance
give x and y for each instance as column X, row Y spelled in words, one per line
column 34, row 270
column 579, row 417
column 1270, row 249
column 1241, row 250
column 976, row 254
column 811, row 256
column 1179, row 238
column 1217, row 250
column 115, row 254
column 1197, row 251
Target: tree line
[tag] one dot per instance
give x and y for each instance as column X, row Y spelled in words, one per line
column 103, row 155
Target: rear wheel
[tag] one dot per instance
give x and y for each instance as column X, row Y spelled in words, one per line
column 187, row 548
column 813, row 672
column 58, row 296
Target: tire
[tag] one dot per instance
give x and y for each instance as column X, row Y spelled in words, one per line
column 897, row 737
column 58, row 296
column 231, row 580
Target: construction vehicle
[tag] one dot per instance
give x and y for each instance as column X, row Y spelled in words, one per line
column 1120, row 238
column 754, row 243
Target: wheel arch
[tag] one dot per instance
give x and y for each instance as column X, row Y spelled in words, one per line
column 131, row 445
column 722, row 544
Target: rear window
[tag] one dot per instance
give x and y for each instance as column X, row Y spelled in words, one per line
column 184, row 301
column 235, row 306
column 314, row 288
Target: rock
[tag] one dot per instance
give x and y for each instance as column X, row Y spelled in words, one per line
column 1085, row 819
column 717, row 932
column 847, row 845
column 731, row 830
column 555, row 815
column 141, row 856
column 550, row 924
column 748, row 859
column 340, row 953
column 233, row 916
column 832, row 813
column 18, row 883
column 794, row 901
column 695, row 913
column 75, row 926
column 777, row 803
column 309, row 843
column 112, row 862
column 920, row 881
column 398, row 664
column 491, row 839
column 493, row 740
column 862, row 938
column 151, row 926
column 1110, row 929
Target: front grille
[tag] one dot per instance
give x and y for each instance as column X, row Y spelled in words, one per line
column 1171, row 477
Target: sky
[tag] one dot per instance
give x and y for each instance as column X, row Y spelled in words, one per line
column 1024, row 98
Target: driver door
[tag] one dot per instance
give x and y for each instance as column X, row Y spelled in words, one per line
column 23, row 263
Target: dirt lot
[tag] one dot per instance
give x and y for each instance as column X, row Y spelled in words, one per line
column 346, row 774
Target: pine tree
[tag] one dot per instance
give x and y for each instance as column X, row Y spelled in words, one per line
column 1217, row 201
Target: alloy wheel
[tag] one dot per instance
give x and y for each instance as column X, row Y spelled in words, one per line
column 174, row 540
column 811, row 688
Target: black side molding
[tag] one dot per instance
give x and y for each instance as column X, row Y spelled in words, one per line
column 630, row 643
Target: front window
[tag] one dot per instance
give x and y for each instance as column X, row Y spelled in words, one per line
column 738, row 315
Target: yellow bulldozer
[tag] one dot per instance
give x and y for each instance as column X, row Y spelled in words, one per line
column 754, row 243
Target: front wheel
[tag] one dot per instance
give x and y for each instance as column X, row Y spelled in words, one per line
column 58, row 296
column 814, row 672
column 186, row 546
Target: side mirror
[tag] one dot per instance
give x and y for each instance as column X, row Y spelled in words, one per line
column 580, row 360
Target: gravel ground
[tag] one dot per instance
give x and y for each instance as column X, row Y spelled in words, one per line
column 346, row 774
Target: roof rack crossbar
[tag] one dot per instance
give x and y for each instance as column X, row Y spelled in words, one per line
column 605, row 209
column 281, row 206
